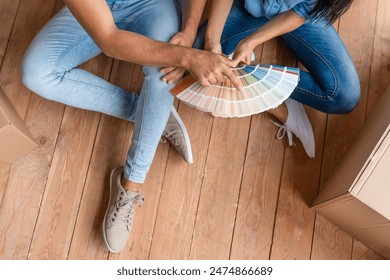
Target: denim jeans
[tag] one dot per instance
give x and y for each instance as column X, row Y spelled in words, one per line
column 331, row 83
column 49, row 68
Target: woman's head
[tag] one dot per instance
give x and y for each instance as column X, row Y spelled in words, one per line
column 331, row 9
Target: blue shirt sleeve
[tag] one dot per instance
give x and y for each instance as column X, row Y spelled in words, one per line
column 304, row 9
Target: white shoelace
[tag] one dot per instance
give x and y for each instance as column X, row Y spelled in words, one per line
column 283, row 129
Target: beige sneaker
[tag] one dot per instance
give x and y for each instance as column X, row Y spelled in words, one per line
column 176, row 133
column 118, row 219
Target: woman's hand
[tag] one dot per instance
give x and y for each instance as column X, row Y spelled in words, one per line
column 243, row 53
column 173, row 74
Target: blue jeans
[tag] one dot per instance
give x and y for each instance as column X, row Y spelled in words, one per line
column 49, row 69
column 331, row 84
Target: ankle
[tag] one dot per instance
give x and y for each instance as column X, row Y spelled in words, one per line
column 129, row 185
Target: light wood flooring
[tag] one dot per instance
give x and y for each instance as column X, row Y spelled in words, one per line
column 247, row 196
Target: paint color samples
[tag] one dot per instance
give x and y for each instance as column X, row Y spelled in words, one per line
column 264, row 87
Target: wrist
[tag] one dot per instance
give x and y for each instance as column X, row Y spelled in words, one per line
column 185, row 57
column 212, row 38
column 251, row 42
column 190, row 29
column 190, row 35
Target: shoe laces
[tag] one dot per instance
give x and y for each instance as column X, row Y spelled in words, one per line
column 170, row 137
column 124, row 208
column 282, row 131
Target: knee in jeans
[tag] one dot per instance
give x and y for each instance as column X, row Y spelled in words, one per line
column 36, row 75
column 347, row 97
column 152, row 72
column 156, row 87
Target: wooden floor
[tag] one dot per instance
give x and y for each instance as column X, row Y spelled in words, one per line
column 247, row 195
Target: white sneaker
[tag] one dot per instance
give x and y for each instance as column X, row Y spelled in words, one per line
column 176, row 133
column 118, row 219
column 297, row 123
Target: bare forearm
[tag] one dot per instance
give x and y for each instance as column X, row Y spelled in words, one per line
column 192, row 14
column 139, row 49
column 219, row 11
column 279, row 25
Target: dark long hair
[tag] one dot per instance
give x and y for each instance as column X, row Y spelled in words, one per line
column 330, row 9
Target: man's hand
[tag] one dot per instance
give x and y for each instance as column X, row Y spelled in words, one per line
column 209, row 68
column 173, row 74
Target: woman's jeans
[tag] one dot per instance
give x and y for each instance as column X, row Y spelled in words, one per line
column 49, row 69
column 331, row 84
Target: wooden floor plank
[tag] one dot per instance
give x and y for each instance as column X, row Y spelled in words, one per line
column 330, row 242
column 357, row 31
column 380, row 70
column 220, row 190
column 294, row 219
column 5, row 169
column 59, row 208
column 71, row 158
column 31, row 16
column 259, row 192
column 181, row 190
column 8, row 11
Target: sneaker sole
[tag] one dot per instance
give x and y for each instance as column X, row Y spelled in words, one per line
column 186, row 136
column 105, row 215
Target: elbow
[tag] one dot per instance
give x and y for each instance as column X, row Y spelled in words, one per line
column 106, row 42
column 107, row 49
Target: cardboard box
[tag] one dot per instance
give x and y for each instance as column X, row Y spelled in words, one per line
column 15, row 139
column 357, row 195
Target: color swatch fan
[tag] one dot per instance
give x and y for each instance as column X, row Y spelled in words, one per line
column 264, row 87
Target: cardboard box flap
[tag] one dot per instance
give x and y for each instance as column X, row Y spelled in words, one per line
column 339, row 212
column 15, row 138
column 10, row 114
column 360, row 153
column 381, row 242
column 373, row 188
column 3, row 119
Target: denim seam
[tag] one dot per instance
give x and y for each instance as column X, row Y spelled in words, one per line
column 136, row 153
column 328, row 97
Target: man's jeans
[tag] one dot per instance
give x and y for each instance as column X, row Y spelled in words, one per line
column 49, row 69
column 331, row 84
